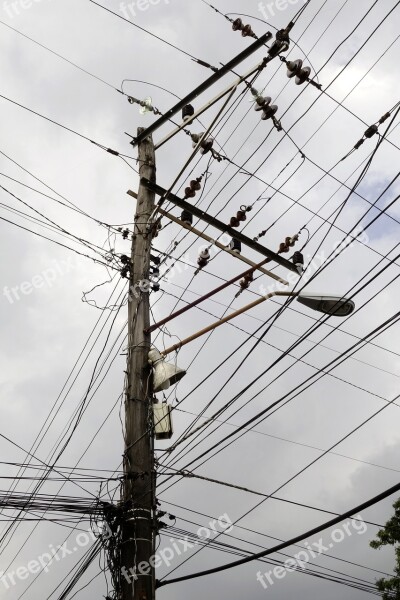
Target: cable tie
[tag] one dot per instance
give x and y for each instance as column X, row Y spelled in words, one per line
column 205, row 64
column 138, row 400
column 277, row 123
column 371, row 131
column 384, row 118
column 290, row 27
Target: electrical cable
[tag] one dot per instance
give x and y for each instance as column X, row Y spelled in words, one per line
column 299, row 538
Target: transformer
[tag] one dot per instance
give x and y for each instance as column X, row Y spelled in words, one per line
column 162, row 421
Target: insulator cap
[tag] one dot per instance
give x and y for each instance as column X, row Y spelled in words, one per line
column 241, row 215
column 298, row 260
column 195, row 185
column 302, row 76
column 246, row 281
column 293, row 67
column 269, row 112
column 206, row 145
column 235, row 246
column 282, row 248
column 237, row 24
column 281, row 43
column 187, row 112
column 187, row 217
column 262, row 102
column 247, row 30
column 234, row 222
column 196, row 137
column 189, row 193
column 204, row 257
column 156, row 287
column 205, row 254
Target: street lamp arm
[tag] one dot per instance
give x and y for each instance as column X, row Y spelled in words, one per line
column 327, row 304
column 213, row 326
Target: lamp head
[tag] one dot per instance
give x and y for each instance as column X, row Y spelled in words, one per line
column 164, row 374
column 329, row 305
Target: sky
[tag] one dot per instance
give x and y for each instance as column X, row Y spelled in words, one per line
column 64, row 314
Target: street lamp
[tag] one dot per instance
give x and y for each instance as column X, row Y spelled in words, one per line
column 331, row 305
column 166, row 374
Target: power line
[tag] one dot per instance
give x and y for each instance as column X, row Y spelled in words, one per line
column 85, row 243
column 317, row 459
column 301, row 444
column 190, row 474
column 288, row 396
column 71, row 204
column 81, row 135
column 67, row 60
column 294, row 540
column 69, row 207
column 58, row 243
column 163, row 40
column 270, row 537
column 75, row 421
column 285, row 353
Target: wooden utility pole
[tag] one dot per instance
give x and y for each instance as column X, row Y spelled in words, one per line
column 138, row 532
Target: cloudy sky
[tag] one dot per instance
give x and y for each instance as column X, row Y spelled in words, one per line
column 66, row 60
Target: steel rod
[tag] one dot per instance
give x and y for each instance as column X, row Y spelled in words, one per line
column 213, row 326
column 181, row 311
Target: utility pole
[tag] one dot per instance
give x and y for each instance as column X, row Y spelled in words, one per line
column 139, row 520
column 138, row 532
